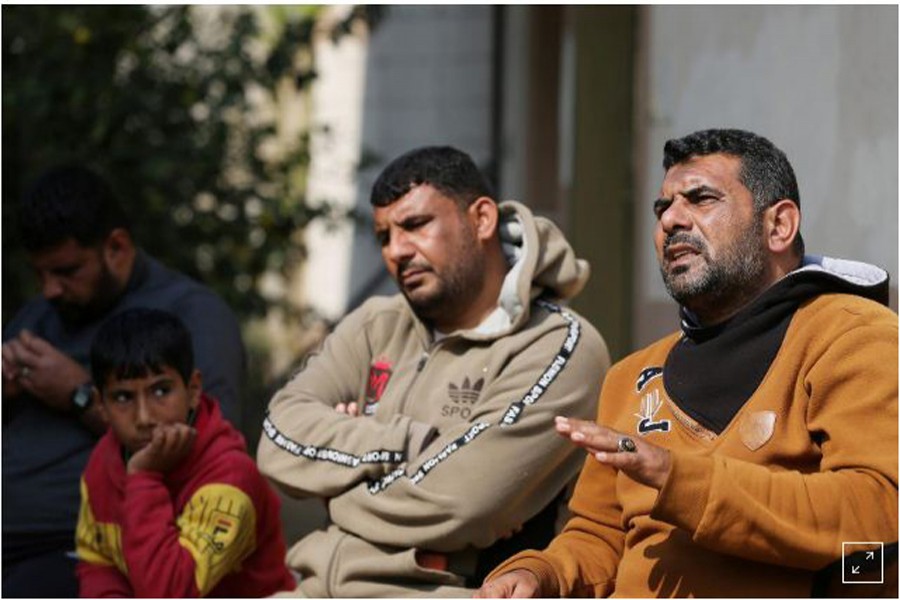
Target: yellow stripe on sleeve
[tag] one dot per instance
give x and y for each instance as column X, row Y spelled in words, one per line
column 97, row 543
column 218, row 528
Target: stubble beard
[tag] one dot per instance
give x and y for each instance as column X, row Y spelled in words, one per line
column 455, row 286
column 106, row 292
column 728, row 281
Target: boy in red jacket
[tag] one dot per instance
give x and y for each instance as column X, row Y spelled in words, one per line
column 171, row 503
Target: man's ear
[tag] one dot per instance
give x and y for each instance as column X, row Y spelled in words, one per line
column 485, row 216
column 782, row 225
column 118, row 252
column 195, row 388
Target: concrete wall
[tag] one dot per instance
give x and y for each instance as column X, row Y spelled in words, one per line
column 819, row 81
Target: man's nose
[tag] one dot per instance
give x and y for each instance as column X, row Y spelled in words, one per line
column 399, row 249
column 676, row 216
column 51, row 288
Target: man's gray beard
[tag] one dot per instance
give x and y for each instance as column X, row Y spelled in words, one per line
column 736, row 274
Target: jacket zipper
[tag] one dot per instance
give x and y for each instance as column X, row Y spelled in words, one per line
column 420, row 366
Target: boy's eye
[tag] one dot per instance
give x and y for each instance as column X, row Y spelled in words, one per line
column 160, row 391
column 121, row 398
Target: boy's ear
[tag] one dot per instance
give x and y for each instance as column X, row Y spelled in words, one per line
column 195, row 387
column 97, row 399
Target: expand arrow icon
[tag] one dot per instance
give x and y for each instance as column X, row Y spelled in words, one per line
column 870, row 555
column 855, row 570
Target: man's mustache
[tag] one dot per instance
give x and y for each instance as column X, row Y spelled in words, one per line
column 412, row 266
column 686, row 239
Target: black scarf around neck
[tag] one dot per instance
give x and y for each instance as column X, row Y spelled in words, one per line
column 712, row 371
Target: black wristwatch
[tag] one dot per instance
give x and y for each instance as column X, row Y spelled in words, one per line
column 82, row 398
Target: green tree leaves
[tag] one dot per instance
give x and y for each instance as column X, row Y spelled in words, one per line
column 174, row 106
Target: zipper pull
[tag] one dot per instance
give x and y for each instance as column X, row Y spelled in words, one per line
column 422, row 362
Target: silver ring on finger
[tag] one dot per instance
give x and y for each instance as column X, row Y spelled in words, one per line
column 626, row 444
column 24, row 372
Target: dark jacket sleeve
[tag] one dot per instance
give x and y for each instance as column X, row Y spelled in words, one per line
column 218, row 349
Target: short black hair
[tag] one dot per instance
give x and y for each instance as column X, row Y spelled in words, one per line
column 140, row 341
column 69, row 201
column 765, row 169
column 452, row 172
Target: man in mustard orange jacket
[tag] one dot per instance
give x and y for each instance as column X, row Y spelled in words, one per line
column 736, row 457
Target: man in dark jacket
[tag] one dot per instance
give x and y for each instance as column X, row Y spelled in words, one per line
column 79, row 244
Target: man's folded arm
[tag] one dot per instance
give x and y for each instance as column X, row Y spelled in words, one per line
column 481, row 479
column 308, row 448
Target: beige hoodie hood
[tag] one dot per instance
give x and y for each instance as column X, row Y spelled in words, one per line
column 543, row 264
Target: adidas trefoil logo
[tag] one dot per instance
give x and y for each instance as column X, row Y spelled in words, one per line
column 467, row 393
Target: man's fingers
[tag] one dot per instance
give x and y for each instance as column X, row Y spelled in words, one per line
column 518, row 583
column 35, row 346
column 8, row 354
column 33, row 343
column 19, row 353
column 10, row 366
column 491, row 590
column 648, row 464
column 347, row 408
column 26, row 383
column 13, row 348
column 619, row 460
column 571, row 426
column 520, row 591
column 562, row 424
column 587, row 434
column 641, row 460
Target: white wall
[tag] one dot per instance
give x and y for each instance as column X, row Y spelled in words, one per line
column 334, row 154
column 819, row 81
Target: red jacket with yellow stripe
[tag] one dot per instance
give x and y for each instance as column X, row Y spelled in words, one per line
column 211, row 527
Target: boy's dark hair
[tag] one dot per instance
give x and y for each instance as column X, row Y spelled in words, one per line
column 765, row 170
column 140, row 341
column 69, row 201
column 450, row 171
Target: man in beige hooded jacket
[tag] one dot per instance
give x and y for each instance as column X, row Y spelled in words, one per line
column 426, row 420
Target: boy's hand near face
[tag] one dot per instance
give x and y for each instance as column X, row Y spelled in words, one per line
column 168, row 447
